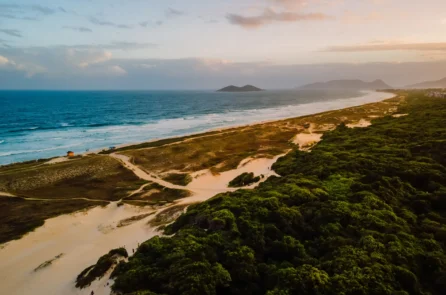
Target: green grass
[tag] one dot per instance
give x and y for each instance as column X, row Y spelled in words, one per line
column 94, row 177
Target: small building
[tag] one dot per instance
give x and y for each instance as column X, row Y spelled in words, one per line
column 70, row 154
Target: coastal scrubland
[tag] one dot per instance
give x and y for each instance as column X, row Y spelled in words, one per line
column 90, row 177
column 244, row 179
column 363, row 213
column 64, row 187
column 98, row 270
column 224, row 150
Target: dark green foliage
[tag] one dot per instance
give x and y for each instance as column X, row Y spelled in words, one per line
column 244, row 179
column 363, row 213
column 178, row 178
column 91, row 273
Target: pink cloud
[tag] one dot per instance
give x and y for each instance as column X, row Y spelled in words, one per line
column 270, row 16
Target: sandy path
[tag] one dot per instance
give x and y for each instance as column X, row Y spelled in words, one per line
column 141, row 173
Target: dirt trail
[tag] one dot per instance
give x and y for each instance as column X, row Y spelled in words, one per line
column 141, row 173
column 53, row 199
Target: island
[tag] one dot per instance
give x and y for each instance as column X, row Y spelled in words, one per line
column 246, row 88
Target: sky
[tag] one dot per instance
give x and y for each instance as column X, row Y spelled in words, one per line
column 199, row 44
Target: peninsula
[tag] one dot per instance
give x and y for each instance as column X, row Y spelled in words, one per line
column 347, row 84
column 246, row 88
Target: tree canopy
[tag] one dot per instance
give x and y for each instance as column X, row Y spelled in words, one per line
column 363, row 213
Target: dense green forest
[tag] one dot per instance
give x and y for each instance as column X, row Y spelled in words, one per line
column 363, row 213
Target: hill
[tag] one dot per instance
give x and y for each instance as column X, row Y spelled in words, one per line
column 246, row 88
column 429, row 84
column 347, row 84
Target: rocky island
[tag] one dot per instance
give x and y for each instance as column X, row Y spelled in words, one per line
column 246, row 88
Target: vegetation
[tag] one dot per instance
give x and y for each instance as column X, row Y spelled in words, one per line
column 154, row 194
column 133, row 219
column 19, row 216
column 224, row 150
column 244, row 179
column 99, row 177
column 178, row 178
column 363, row 213
column 97, row 271
column 168, row 215
column 48, row 262
column 94, row 177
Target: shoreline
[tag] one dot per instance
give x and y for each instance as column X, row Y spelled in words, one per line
column 211, row 131
column 86, row 235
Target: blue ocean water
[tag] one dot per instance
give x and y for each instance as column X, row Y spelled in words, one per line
column 43, row 124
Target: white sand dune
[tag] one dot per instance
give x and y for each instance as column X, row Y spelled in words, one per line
column 85, row 236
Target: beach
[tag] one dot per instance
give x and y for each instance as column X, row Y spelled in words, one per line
column 48, row 124
column 210, row 161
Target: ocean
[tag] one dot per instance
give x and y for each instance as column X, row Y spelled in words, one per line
column 44, row 124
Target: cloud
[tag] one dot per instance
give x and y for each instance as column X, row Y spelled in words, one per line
column 147, row 24
column 10, row 16
column 170, row 12
column 129, row 45
column 3, row 60
column 99, row 22
column 42, row 9
column 17, row 8
column 117, row 45
column 79, row 29
column 290, row 4
column 11, row 32
column 54, row 68
column 117, row 70
column 83, row 60
column 392, row 46
column 270, row 16
column 30, row 70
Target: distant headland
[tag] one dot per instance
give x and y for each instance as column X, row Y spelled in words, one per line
column 246, row 88
column 347, row 84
